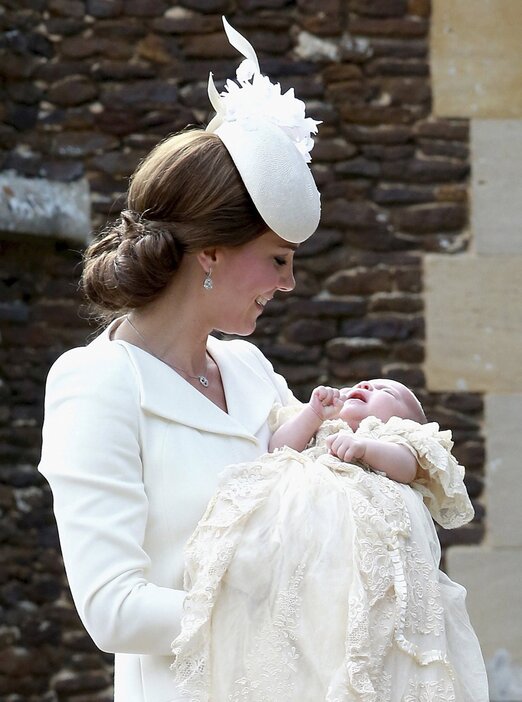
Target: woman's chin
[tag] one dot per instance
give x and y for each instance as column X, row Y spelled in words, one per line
column 238, row 329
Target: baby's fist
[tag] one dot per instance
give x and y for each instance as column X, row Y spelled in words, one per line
column 346, row 446
column 326, row 402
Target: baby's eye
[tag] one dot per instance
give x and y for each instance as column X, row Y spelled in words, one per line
column 280, row 260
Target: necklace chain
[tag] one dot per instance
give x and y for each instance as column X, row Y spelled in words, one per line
column 202, row 378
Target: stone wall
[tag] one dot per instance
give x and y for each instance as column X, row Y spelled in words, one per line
column 89, row 88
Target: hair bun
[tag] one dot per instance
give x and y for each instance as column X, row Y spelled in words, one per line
column 131, row 262
column 132, row 225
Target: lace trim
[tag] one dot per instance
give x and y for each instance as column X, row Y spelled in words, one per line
column 441, row 480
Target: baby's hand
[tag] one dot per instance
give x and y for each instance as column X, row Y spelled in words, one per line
column 346, row 446
column 326, row 402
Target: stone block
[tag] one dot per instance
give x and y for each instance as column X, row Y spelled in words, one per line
column 457, row 192
column 388, row 153
column 25, row 92
column 453, row 130
column 310, row 331
column 360, row 215
column 380, row 134
column 340, row 72
column 402, row 194
column 379, row 8
column 412, row 27
column 492, row 579
column 373, row 115
column 82, row 143
column 72, row 90
column 395, row 302
column 223, row 6
column 323, row 240
column 342, row 348
column 67, row 8
column 104, row 8
column 144, row 94
column 419, row 7
column 452, row 149
column 436, row 170
column 385, row 327
column 64, row 26
column 399, row 48
column 51, row 72
column 425, row 219
column 80, row 47
column 363, row 167
column 45, row 208
column 152, row 48
column 503, row 485
column 473, row 323
column 360, row 281
column 410, row 351
column 180, row 20
column 497, row 186
column 397, row 67
column 144, row 8
column 476, row 49
column 355, row 370
column 22, row 117
column 122, row 70
column 328, row 307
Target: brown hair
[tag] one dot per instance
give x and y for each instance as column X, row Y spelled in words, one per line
column 186, row 195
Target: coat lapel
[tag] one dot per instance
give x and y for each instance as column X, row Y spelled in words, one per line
column 248, row 392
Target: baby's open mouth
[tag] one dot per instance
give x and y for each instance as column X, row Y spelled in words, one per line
column 357, row 395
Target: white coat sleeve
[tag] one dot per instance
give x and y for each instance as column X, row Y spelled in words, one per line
column 91, row 459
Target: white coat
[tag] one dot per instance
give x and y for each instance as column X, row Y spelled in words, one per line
column 132, row 453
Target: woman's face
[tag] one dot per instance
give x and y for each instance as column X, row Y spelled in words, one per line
column 247, row 277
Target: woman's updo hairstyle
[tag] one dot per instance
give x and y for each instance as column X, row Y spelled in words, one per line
column 186, row 195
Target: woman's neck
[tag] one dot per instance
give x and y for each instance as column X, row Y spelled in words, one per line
column 172, row 328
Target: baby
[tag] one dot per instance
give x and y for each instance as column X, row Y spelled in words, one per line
column 311, row 577
column 381, row 398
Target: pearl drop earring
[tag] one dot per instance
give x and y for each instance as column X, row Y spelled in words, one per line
column 207, row 283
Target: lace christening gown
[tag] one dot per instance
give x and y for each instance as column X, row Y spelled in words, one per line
column 310, row 579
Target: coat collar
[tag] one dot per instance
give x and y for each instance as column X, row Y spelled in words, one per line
column 249, row 393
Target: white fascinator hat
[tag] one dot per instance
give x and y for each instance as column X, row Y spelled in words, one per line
column 269, row 139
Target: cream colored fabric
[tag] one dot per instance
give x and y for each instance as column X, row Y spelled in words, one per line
column 440, row 479
column 132, row 453
column 313, row 579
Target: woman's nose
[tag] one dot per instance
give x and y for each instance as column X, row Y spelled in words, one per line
column 287, row 282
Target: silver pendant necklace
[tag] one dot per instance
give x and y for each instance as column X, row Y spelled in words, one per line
column 202, row 378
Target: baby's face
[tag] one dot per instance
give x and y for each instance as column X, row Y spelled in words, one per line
column 381, row 398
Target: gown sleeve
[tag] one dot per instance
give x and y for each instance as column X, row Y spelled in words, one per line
column 440, row 479
column 280, row 414
column 287, row 405
column 91, row 458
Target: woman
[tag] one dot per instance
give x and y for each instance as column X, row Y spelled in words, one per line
column 139, row 423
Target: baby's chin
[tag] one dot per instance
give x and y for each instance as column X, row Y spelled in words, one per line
column 352, row 417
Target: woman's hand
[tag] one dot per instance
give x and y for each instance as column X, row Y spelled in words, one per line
column 326, row 402
column 346, row 446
